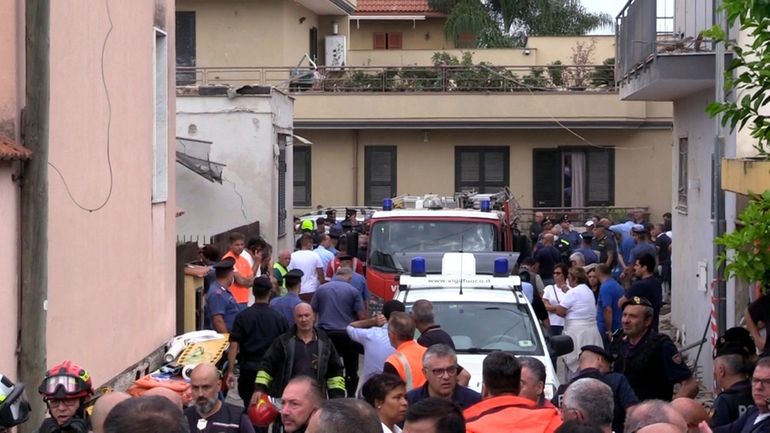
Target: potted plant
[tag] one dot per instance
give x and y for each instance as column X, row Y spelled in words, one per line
column 747, row 248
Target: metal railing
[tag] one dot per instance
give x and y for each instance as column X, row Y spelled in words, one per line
column 645, row 29
column 441, row 78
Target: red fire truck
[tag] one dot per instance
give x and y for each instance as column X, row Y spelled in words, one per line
column 431, row 225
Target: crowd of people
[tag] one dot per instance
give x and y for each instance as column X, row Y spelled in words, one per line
column 297, row 328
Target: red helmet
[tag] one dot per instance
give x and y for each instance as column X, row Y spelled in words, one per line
column 262, row 413
column 66, row 380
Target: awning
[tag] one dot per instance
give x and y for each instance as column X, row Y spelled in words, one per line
column 11, row 150
column 194, row 154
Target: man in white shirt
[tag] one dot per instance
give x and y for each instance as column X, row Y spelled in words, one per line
column 309, row 262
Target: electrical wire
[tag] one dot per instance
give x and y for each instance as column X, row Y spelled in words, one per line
column 557, row 121
column 109, row 127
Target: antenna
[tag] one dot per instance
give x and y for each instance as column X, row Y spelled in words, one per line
column 462, row 246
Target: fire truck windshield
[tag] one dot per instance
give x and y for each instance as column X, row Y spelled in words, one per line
column 389, row 237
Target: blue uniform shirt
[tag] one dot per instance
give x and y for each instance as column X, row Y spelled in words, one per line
column 285, row 305
column 337, row 304
column 588, row 254
column 610, row 293
column 220, row 302
column 359, row 282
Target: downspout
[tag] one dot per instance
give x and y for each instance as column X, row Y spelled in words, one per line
column 720, row 288
column 34, row 204
column 356, row 140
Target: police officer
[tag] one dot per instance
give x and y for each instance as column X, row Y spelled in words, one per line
column 252, row 334
column 595, row 363
column 650, row 361
column 221, row 306
column 731, row 370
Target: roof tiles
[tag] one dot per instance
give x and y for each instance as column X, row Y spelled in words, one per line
column 10, row 150
column 393, row 6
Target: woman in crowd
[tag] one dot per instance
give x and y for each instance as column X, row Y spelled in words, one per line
column 578, row 307
column 387, row 393
column 552, row 296
column 593, row 280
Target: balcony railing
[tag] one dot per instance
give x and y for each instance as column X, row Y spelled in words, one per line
column 443, row 78
column 646, row 29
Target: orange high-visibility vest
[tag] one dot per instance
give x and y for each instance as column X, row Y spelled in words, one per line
column 407, row 359
column 507, row 413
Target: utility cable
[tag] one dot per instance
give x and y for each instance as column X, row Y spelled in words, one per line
column 109, row 127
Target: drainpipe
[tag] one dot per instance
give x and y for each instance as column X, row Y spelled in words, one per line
column 720, row 289
column 355, row 165
column 34, row 205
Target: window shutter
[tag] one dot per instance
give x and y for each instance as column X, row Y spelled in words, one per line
column 546, row 182
column 394, row 41
column 599, row 178
column 380, row 41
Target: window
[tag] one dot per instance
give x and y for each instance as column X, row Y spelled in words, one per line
column 301, row 176
column 160, row 121
column 682, row 178
column 484, row 169
column 313, row 44
column 388, row 41
column 283, row 142
column 185, row 47
column 573, row 177
column 379, row 174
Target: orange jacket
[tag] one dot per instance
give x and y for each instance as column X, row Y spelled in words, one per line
column 240, row 293
column 508, row 413
column 410, row 371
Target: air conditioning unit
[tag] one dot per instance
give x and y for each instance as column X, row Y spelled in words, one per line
column 336, row 52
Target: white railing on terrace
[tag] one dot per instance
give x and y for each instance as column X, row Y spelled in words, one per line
column 443, row 78
column 645, row 29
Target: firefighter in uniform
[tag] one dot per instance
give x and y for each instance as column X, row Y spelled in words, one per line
column 650, row 361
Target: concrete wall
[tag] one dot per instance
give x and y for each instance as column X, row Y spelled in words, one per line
column 9, row 266
column 111, row 271
column 244, row 135
column 250, row 33
column 11, row 89
column 692, row 247
column 420, row 34
column 430, row 167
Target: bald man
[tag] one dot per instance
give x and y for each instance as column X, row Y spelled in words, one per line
column 653, row 412
column 660, row 427
column 103, row 406
column 692, row 412
column 173, row 396
column 207, row 413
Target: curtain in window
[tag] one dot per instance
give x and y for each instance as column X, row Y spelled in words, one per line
column 578, row 179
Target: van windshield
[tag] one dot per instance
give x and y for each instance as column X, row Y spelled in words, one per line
column 482, row 327
column 390, row 237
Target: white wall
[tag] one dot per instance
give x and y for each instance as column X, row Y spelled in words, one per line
column 244, row 135
column 693, row 228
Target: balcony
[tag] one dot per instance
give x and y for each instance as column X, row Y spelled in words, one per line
column 661, row 52
column 435, row 97
column 441, row 78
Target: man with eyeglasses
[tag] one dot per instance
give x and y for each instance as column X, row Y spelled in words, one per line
column 757, row 418
column 440, row 368
column 65, row 389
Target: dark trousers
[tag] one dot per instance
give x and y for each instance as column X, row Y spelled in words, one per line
column 348, row 350
column 246, row 385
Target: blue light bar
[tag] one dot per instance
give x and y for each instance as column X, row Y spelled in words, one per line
column 484, row 205
column 501, row 267
column 418, row 267
column 387, row 204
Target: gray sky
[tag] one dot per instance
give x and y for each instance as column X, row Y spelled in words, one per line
column 611, row 7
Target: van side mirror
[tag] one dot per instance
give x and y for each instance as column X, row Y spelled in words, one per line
column 559, row 345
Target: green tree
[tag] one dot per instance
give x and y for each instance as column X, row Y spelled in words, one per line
column 506, row 23
column 748, row 72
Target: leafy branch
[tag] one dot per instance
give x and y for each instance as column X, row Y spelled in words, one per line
column 748, row 74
